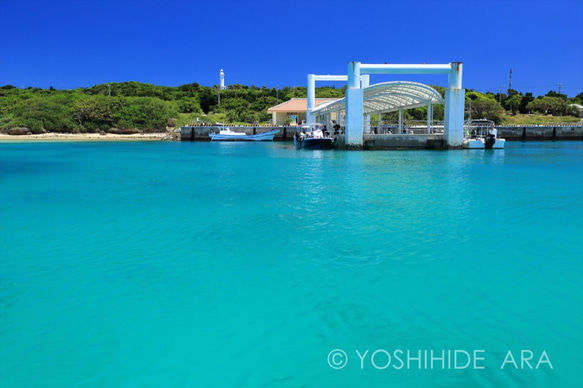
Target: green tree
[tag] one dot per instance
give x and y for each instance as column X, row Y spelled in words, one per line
column 513, row 102
column 262, row 104
column 208, row 99
column 96, row 112
column 546, row 105
column 234, row 104
column 189, row 105
column 486, row 108
column 43, row 113
column 146, row 113
column 525, row 100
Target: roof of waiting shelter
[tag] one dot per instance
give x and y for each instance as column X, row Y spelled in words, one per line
column 389, row 97
column 298, row 105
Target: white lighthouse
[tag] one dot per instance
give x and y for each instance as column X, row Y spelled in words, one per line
column 222, row 80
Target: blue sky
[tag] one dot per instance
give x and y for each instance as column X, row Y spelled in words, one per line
column 78, row 43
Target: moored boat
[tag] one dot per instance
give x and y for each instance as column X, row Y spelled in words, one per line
column 226, row 134
column 481, row 134
column 314, row 137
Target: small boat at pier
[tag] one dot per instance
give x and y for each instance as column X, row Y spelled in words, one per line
column 226, row 134
column 314, row 137
column 481, row 134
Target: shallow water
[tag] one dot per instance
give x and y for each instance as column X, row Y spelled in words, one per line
column 247, row 265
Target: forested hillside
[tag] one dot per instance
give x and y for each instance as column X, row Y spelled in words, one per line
column 149, row 108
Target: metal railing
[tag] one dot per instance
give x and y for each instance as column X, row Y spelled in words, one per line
column 579, row 124
column 418, row 127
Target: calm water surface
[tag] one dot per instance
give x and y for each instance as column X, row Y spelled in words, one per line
column 248, row 265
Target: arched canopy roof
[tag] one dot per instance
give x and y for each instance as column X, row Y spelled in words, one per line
column 389, row 97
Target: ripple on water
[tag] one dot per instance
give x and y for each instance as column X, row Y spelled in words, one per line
column 153, row 264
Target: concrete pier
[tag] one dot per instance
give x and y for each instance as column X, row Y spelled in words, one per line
column 419, row 139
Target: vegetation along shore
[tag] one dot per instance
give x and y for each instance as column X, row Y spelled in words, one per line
column 132, row 110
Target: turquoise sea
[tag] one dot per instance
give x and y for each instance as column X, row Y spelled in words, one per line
column 258, row 265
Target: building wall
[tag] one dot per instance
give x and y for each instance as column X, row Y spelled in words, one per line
column 279, row 118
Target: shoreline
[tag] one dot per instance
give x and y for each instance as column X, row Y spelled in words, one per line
column 85, row 137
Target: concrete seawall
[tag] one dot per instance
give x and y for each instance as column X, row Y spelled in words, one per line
column 400, row 142
column 562, row 132
column 417, row 140
column 201, row 133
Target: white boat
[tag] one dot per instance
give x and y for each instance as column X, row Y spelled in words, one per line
column 226, row 134
column 314, row 137
column 481, row 134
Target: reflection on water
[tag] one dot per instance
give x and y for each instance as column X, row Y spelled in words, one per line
column 146, row 264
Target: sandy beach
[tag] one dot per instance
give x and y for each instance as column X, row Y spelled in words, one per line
column 86, row 137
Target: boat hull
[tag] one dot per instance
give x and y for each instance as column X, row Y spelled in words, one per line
column 315, row 144
column 479, row 144
column 267, row 136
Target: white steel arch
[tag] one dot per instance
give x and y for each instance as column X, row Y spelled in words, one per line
column 389, row 97
column 398, row 95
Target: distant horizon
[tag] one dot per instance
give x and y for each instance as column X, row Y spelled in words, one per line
column 70, row 44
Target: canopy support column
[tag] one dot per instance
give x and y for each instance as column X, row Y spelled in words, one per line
column 429, row 118
column 311, row 98
column 380, row 122
column 354, row 109
column 365, row 84
column 454, row 107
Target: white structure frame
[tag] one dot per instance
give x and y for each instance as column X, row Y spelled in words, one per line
column 354, row 101
column 312, row 78
column 454, row 98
